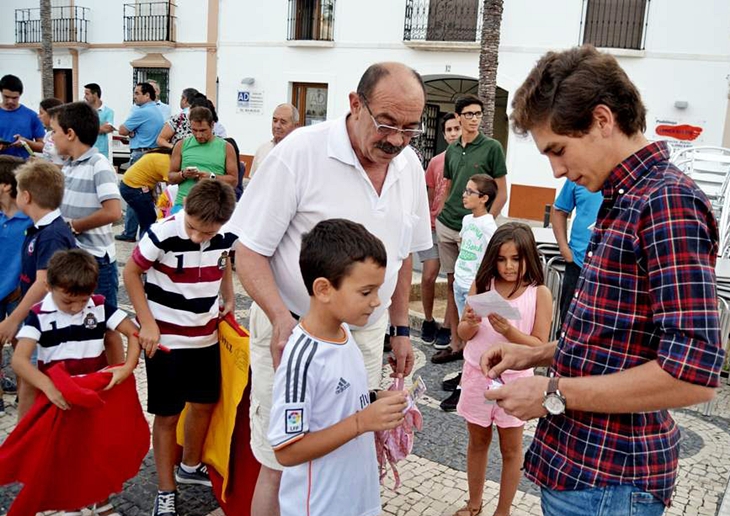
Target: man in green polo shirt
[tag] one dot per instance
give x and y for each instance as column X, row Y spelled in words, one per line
column 472, row 154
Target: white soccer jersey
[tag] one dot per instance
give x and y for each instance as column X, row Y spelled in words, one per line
column 318, row 384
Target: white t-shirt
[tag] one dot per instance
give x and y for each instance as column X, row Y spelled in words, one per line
column 313, row 175
column 318, row 384
column 475, row 235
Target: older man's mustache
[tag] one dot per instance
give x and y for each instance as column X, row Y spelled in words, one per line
column 389, row 148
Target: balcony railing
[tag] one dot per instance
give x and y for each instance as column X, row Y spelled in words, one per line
column 443, row 20
column 149, row 21
column 312, row 20
column 68, row 25
column 615, row 23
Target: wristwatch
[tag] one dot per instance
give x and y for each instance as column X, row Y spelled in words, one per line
column 400, row 331
column 554, row 402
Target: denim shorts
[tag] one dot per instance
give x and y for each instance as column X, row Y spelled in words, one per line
column 600, row 501
column 460, row 295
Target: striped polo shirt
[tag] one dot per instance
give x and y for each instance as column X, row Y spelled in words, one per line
column 183, row 281
column 75, row 339
column 90, row 180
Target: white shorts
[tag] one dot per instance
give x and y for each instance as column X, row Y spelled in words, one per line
column 369, row 340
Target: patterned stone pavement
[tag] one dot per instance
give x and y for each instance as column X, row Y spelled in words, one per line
column 434, row 476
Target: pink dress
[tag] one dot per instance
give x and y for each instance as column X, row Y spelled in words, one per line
column 472, row 405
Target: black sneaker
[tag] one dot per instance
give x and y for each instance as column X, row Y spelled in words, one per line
column 387, row 348
column 198, row 477
column 428, row 331
column 9, row 386
column 164, row 504
column 451, row 384
column 449, row 404
column 443, row 338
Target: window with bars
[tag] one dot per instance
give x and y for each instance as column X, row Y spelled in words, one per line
column 161, row 75
column 311, row 20
column 615, row 23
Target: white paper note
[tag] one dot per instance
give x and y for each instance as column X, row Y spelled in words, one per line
column 490, row 302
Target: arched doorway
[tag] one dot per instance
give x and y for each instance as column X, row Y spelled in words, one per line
column 441, row 93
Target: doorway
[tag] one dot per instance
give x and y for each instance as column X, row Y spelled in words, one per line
column 63, row 84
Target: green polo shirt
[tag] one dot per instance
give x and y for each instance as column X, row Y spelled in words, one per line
column 482, row 156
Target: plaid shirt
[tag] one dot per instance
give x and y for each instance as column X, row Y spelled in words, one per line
column 646, row 292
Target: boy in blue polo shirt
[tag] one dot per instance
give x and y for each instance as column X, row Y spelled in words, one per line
column 13, row 224
column 40, row 188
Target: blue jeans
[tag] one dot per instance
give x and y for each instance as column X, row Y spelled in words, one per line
column 142, row 204
column 460, row 295
column 108, row 284
column 601, row 501
column 131, row 224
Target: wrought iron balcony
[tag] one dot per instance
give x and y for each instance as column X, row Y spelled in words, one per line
column 68, row 25
column 443, row 20
column 149, row 21
column 615, row 23
column 312, row 20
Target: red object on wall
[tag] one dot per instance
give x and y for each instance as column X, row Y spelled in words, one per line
column 684, row 132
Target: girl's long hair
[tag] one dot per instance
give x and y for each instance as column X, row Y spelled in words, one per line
column 524, row 240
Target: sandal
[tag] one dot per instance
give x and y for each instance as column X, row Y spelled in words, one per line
column 469, row 511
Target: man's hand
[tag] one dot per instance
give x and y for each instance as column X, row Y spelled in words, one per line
column 401, row 359
column 149, row 338
column 566, row 253
column 521, row 398
column 498, row 359
column 8, row 330
column 280, row 332
column 18, row 141
column 385, row 414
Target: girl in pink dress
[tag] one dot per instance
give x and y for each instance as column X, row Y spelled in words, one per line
column 511, row 266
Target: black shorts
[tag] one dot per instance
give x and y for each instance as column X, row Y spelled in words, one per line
column 181, row 376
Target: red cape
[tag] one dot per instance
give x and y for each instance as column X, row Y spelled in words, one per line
column 74, row 458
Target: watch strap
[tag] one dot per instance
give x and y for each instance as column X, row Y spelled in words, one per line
column 400, row 331
column 552, row 387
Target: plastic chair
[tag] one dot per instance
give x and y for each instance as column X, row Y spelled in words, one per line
column 709, row 167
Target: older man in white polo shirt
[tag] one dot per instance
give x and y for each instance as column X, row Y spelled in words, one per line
column 358, row 167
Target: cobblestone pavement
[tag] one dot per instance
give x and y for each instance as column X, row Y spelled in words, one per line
column 434, row 476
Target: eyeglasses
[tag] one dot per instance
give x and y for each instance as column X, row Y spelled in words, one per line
column 389, row 130
column 469, row 191
column 471, row 114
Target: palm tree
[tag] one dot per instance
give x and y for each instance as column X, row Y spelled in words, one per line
column 488, row 60
column 46, row 49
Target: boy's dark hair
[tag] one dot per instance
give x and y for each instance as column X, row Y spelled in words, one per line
column 333, row 246
column 446, row 118
column 74, row 271
column 486, row 186
column 43, row 181
column 79, row 116
column 524, row 240
column 50, row 103
column 201, row 114
column 563, row 89
column 94, row 88
column 211, row 202
column 147, row 89
column 467, row 100
column 12, row 83
column 8, row 165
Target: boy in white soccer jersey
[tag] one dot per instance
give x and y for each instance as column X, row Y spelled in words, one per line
column 323, row 416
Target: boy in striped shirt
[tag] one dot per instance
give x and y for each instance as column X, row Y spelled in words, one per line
column 68, row 327
column 186, row 259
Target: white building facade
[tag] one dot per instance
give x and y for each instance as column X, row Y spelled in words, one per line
column 251, row 56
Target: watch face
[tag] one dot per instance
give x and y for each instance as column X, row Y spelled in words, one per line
column 554, row 404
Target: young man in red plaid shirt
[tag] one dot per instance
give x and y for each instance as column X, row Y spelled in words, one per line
column 642, row 333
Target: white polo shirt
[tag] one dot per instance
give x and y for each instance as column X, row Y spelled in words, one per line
column 313, row 175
